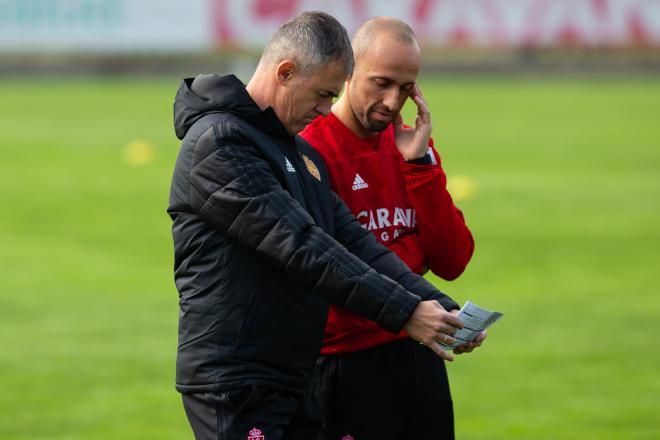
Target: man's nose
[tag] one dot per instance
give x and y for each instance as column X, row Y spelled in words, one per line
column 391, row 100
column 324, row 107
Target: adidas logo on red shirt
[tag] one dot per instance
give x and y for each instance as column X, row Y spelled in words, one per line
column 359, row 183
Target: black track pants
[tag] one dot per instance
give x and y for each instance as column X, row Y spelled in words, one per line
column 396, row 391
column 252, row 413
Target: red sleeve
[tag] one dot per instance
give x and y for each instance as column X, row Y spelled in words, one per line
column 443, row 235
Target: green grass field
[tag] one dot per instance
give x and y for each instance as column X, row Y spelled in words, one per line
column 565, row 214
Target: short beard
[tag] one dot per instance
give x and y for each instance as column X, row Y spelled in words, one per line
column 376, row 127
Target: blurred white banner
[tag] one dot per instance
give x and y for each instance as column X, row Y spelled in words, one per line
column 105, row 25
column 198, row 25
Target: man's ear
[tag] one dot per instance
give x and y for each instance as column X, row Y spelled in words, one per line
column 285, row 71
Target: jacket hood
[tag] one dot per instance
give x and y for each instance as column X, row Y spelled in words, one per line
column 213, row 93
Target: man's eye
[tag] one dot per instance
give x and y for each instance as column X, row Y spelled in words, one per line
column 407, row 88
column 381, row 83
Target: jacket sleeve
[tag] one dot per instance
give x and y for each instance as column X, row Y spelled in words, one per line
column 443, row 235
column 235, row 191
column 362, row 243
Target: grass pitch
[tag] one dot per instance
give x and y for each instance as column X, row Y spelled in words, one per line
column 564, row 206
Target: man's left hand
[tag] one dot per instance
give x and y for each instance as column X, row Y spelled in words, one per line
column 413, row 143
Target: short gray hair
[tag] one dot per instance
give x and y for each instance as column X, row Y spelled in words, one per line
column 312, row 39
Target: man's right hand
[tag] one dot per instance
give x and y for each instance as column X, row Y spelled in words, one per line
column 431, row 325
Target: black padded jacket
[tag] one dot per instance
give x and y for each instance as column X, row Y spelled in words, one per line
column 262, row 244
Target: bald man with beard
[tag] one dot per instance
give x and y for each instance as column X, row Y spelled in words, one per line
column 375, row 384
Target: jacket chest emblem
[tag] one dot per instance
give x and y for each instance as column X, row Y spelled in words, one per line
column 312, row 168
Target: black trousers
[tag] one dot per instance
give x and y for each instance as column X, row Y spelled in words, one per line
column 395, row 391
column 252, row 413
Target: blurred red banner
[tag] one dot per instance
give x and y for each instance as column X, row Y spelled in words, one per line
column 461, row 23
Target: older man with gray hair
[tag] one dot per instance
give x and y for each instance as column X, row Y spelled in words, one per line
column 262, row 245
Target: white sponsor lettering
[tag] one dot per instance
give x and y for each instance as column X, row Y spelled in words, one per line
column 372, row 222
column 360, row 216
column 399, row 217
column 383, row 221
column 380, row 218
column 385, row 236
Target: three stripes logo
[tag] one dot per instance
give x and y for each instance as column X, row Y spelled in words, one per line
column 289, row 166
column 359, row 183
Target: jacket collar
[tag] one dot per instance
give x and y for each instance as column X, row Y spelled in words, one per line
column 214, row 93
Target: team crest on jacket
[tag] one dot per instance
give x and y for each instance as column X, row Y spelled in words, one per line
column 256, row 434
column 311, row 167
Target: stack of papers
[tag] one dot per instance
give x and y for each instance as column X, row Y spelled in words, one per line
column 476, row 320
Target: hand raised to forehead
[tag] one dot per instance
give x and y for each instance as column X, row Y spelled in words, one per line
column 413, row 142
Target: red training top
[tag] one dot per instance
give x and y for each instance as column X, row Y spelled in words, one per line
column 405, row 205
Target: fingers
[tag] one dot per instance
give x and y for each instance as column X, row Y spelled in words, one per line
column 461, row 349
column 482, row 336
column 423, row 111
column 437, row 349
column 398, row 122
column 466, row 348
column 470, row 346
column 446, row 329
column 443, row 338
column 450, row 318
column 416, row 90
column 453, row 321
column 448, row 326
column 431, row 324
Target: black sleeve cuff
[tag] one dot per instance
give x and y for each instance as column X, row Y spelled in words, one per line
column 424, row 160
column 398, row 310
column 448, row 304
